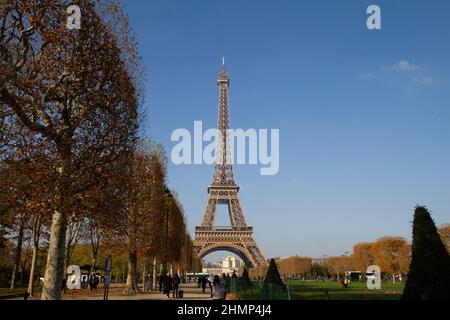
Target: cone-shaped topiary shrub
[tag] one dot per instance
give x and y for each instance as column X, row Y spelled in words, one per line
column 429, row 271
column 273, row 276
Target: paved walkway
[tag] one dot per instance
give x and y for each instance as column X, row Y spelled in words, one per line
column 191, row 292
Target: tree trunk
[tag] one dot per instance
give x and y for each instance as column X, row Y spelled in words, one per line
column 94, row 262
column 131, row 286
column 74, row 234
column 54, row 270
column 144, row 276
column 22, row 272
column 36, row 236
column 123, row 272
column 17, row 254
column 95, row 243
column 32, row 271
column 154, row 273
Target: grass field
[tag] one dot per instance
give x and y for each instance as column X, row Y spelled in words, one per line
column 310, row 290
column 8, row 291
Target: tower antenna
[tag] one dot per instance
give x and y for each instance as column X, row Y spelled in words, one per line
column 223, row 64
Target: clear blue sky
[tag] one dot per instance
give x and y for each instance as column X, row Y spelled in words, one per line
column 364, row 137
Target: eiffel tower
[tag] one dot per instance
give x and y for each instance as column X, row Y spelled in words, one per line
column 237, row 238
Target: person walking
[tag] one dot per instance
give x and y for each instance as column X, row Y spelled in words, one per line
column 160, row 279
column 204, row 281
column 218, row 292
column 210, row 283
column 167, row 285
column 175, row 285
column 93, row 282
column 224, row 283
column 147, row 283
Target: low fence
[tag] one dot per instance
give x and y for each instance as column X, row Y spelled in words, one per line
column 257, row 290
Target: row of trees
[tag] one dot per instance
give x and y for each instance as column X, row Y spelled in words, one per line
column 305, row 267
column 391, row 254
column 138, row 229
column 72, row 168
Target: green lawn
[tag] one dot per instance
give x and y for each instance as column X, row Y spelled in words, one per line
column 8, row 291
column 310, row 290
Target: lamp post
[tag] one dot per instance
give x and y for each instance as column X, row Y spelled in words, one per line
column 345, row 264
column 166, row 241
column 168, row 195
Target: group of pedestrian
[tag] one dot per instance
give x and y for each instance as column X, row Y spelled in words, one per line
column 204, row 281
column 219, row 285
column 344, row 282
column 168, row 284
column 94, row 280
column 216, row 284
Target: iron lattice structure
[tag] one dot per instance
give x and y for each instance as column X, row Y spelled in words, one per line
column 237, row 238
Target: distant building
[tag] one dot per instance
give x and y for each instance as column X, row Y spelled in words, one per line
column 321, row 260
column 227, row 265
